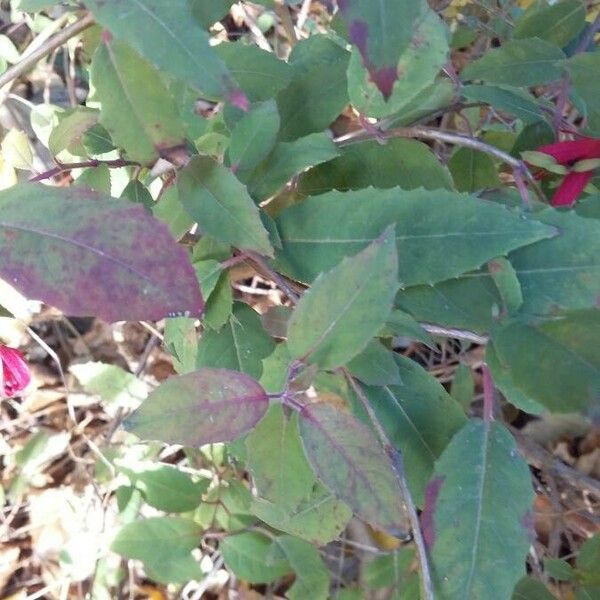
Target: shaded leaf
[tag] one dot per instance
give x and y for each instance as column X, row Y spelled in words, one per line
column 317, row 93
column 480, row 516
column 208, row 12
column 433, row 242
column 312, row 575
column 169, row 36
column 246, row 555
column 568, row 377
column 163, row 544
column 87, row 268
column 165, row 487
column 254, row 136
column 579, row 68
column 137, row 109
column 420, row 419
column 259, row 73
column 319, row 519
column 345, row 307
column 209, row 405
column 287, row 160
column 241, row 345
column 473, row 170
column 515, row 101
column 221, row 206
column 558, row 23
column 68, row 134
column 519, row 63
column 349, row 460
column 404, row 163
column 531, row 589
column 375, row 365
column 277, row 462
column 507, row 282
column 463, row 386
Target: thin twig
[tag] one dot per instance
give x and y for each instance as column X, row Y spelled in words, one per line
column 263, row 267
column 459, row 334
column 283, row 11
column 28, row 62
column 488, row 394
column 63, row 167
column 398, row 465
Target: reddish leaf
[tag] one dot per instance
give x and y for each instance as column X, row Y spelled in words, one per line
column 350, row 461
column 88, row 254
column 207, row 406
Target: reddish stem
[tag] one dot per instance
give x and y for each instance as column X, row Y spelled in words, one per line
column 488, row 395
column 94, row 162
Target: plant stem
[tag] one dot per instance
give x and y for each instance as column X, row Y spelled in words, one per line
column 488, row 394
column 62, row 167
column 28, row 62
column 265, row 269
column 397, row 461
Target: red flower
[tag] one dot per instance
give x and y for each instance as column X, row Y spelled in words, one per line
column 15, row 371
column 568, row 154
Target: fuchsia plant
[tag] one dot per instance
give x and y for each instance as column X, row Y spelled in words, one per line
column 15, row 371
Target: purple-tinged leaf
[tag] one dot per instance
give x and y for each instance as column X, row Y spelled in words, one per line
column 349, row 460
column 92, row 255
column 478, row 508
column 207, row 406
column 382, row 31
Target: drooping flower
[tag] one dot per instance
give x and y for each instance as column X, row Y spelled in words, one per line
column 579, row 160
column 15, row 371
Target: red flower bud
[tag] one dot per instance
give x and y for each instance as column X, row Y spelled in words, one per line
column 15, row 371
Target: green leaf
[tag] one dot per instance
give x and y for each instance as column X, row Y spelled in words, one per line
column 477, row 514
column 241, row 345
column 515, row 101
column 389, row 570
column 137, row 192
column 319, row 519
column 277, row 462
column 465, row 303
column 519, row 63
column 169, row 36
column 345, row 307
column 349, row 460
column 559, row 569
column 164, row 487
column 463, row 386
column 563, row 272
column 112, row 383
column 246, row 555
column 504, row 382
column 434, row 243
column 207, row 406
column 285, row 161
column 227, row 506
column 383, row 32
column 404, row 163
column 317, row 93
column 170, row 210
column 259, row 73
column 400, row 323
column 579, row 68
column 68, row 134
column 423, row 53
column 254, row 136
column 531, row 589
column 208, row 12
column 137, row 109
column 473, row 170
column 220, row 204
column 163, row 544
column 375, row 365
column 568, row 379
column 420, row 419
column 558, row 23
column 64, row 254
column 507, row 282
column 312, row 575
column 181, row 341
